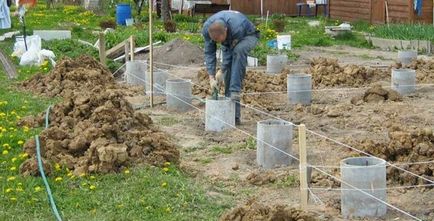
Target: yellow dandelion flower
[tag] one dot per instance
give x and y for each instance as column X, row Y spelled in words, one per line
column 165, row 169
column 126, row 171
column 26, row 129
column 11, row 178
column 19, row 189
column 69, row 174
column 92, row 187
column 13, row 168
column 82, row 175
column 8, row 190
column 13, row 199
column 6, row 145
column 168, row 209
column 57, row 166
column 20, row 142
column 15, row 129
column 24, row 155
column 20, row 184
column 58, row 179
column 4, row 130
column 5, row 152
column 92, row 177
column 37, row 189
column 14, row 159
column 13, row 112
column 11, row 136
column 167, row 164
column 25, row 101
column 164, row 184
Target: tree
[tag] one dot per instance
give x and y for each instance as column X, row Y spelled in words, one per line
column 165, row 10
column 139, row 5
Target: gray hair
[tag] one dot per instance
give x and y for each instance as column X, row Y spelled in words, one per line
column 218, row 27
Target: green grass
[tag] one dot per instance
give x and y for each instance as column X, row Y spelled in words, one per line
column 168, row 121
column 223, row 150
column 405, row 31
column 288, row 181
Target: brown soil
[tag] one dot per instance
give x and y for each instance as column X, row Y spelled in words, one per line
column 261, row 177
column 424, row 70
column 254, row 211
column 327, row 72
column 405, row 146
column 94, row 130
column 376, row 94
column 177, row 52
column 70, row 75
column 255, row 81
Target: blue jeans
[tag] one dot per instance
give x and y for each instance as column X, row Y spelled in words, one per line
column 234, row 67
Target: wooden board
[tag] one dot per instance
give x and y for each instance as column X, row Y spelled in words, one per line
column 8, row 66
column 378, row 12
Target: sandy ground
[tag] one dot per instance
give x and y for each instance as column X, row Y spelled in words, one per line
column 226, row 162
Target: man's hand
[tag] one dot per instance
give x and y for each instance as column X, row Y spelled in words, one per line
column 213, row 83
column 219, row 78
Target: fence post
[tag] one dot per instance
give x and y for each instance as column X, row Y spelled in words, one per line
column 102, row 53
column 132, row 47
column 304, row 194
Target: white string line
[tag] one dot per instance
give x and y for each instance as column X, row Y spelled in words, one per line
column 387, row 188
column 363, row 152
column 369, row 195
column 355, row 188
column 114, row 73
column 333, row 89
column 335, row 141
column 315, row 197
column 396, row 164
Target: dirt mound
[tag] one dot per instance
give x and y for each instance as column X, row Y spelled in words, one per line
column 376, row 94
column 424, row 70
column 259, row 177
column 254, row 211
column 254, row 81
column 81, row 74
column 94, row 129
column 178, row 52
column 327, row 72
column 405, row 146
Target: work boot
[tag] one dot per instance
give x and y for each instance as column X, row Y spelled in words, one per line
column 235, row 97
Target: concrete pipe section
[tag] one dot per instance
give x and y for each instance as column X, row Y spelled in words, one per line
column 136, row 72
column 404, row 81
column 178, row 95
column 160, row 78
column 272, row 135
column 219, row 114
column 406, row 57
column 369, row 175
column 299, row 88
column 276, row 63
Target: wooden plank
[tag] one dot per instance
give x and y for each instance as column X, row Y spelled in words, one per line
column 112, row 52
column 8, row 66
column 132, row 47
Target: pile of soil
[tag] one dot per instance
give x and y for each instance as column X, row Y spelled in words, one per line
column 327, row 72
column 261, row 177
column 424, row 70
column 96, row 130
column 254, row 211
column 70, row 75
column 254, row 81
column 405, row 146
column 376, row 94
column 178, row 52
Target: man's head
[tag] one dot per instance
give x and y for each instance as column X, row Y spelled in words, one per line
column 217, row 31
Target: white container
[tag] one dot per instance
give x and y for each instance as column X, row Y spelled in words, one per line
column 276, row 63
column 404, row 81
column 219, row 114
column 252, row 62
column 129, row 21
column 284, row 42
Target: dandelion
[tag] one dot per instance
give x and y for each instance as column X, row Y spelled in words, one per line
column 92, row 187
column 11, row 178
column 24, row 155
column 167, row 164
column 6, row 145
column 70, row 174
column 92, row 177
column 165, row 169
column 168, row 209
column 13, row 168
column 8, row 190
column 20, row 184
column 57, row 166
column 58, row 179
column 20, row 142
column 13, row 199
column 26, row 129
column 19, row 189
column 14, row 159
column 5, row 152
column 11, row 136
column 37, row 189
column 126, row 171
column 82, row 175
column 164, row 184
column 13, row 113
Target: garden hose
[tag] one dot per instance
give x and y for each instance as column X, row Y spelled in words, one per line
column 41, row 170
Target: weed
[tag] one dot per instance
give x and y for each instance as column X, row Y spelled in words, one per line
column 205, row 161
column 288, row 181
column 168, row 121
column 223, row 150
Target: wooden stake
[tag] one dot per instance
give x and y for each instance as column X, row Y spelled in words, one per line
column 127, row 51
column 304, row 195
column 151, row 59
column 132, row 47
column 102, row 54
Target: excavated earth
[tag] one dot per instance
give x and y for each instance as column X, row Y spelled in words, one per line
column 93, row 128
column 253, row 211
